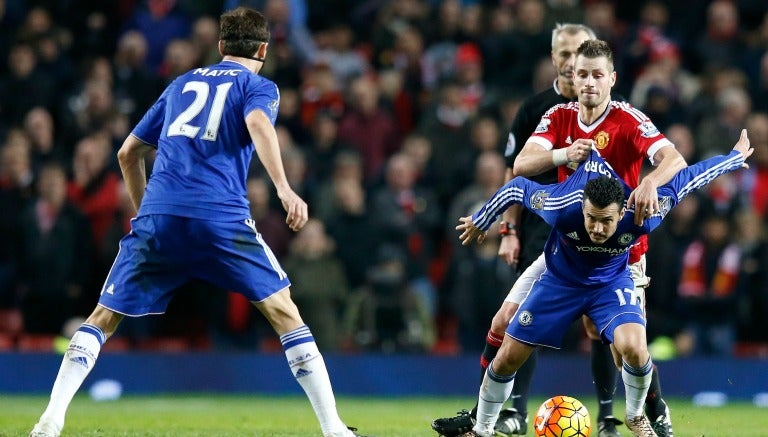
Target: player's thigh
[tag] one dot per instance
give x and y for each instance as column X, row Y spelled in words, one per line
column 613, row 305
column 547, row 313
column 146, row 270
column 280, row 311
column 238, row 259
column 522, row 286
column 589, row 326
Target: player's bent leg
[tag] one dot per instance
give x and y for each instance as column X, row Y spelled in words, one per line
column 497, row 384
column 79, row 359
column 637, row 367
column 304, row 359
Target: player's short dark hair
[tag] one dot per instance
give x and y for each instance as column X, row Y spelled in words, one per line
column 242, row 31
column 603, row 191
column 595, row 48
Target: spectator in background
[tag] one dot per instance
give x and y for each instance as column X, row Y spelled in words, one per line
column 39, row 128
column 753, row 277
column 733, row 107
column 665, row 250
column 352, row 223
column 16, row 193
column 53, row 263
column 409, row 217
column 347, row 167
column 757, row 186
column 708, row 287
column 323, row 147
column 205, row 39
column 319, row 283
column 336, row 48
column 95, row 187
column 181, row 55
column 722, row 43
column 386, row 314
column 135, row 87
column 24, row 87
column 446, row 124
column 160, row 22
column 364, row 116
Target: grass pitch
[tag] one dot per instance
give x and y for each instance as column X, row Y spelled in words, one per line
column 289, row 416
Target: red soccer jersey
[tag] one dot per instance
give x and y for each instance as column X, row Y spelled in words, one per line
column 623, row 135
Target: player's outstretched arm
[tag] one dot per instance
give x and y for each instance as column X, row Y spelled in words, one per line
column 264, row 138
column 131, row 158
column 700, row 174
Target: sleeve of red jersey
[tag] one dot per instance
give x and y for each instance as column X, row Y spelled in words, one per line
column 646, row 136
column 546, row 131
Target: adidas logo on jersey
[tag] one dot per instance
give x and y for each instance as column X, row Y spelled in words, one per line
column 568, row 140
column 573, row 235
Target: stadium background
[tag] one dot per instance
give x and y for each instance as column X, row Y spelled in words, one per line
column 392, row 121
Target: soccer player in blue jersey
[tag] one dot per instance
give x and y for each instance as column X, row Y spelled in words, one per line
column 586, row 272
column 193, row 220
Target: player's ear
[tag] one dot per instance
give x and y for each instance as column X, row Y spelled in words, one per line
column 220, row 51
column 622, row 212
column 262, row 51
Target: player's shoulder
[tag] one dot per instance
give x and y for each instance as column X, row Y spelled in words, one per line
column 562, row 108
column 626, row 110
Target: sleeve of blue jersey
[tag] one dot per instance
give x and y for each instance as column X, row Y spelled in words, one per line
column 700, row 174
column 513, row 192
column 693, row 178
column 150, row 126
column 262, row 94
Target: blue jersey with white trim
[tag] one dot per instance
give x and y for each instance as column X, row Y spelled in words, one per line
column 570, row 254
column 203, row 145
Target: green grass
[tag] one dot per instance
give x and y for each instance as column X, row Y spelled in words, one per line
column 220, row 415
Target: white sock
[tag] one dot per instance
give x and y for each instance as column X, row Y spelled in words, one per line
column 78, row 361
column 308, row 367
column 494, row 391
column 636, row 383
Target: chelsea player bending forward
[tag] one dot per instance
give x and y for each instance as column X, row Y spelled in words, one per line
column 586, row 257
column 193, row 218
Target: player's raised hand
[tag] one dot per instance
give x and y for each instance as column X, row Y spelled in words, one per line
column 742, row 146
column 469, row 231
column 645, row 200
column 579, row 150
column 296, row 209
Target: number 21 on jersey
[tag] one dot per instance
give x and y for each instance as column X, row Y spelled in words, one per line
column 179, row 126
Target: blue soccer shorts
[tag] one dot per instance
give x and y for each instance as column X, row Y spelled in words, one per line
column 546, row 314
column 162, row 252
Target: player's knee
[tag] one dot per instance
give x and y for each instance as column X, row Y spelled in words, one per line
column 503, row 316
column 633, row 349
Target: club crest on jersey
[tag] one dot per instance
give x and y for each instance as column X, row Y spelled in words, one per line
column 601, row 140
column 543, row 126
column 538, row 198
column 525, row 318
column 648, row 129
column 625, row 239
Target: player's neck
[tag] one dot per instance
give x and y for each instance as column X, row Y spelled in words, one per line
column 250, row 64
column 590, row 115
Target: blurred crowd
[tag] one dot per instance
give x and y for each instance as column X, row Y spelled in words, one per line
column 393, row 119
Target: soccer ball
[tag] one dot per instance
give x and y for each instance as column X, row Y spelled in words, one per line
column 562, row 416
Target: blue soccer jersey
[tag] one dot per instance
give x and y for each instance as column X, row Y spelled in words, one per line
column 570, row 254
column 583, row 277
column 202, row 153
